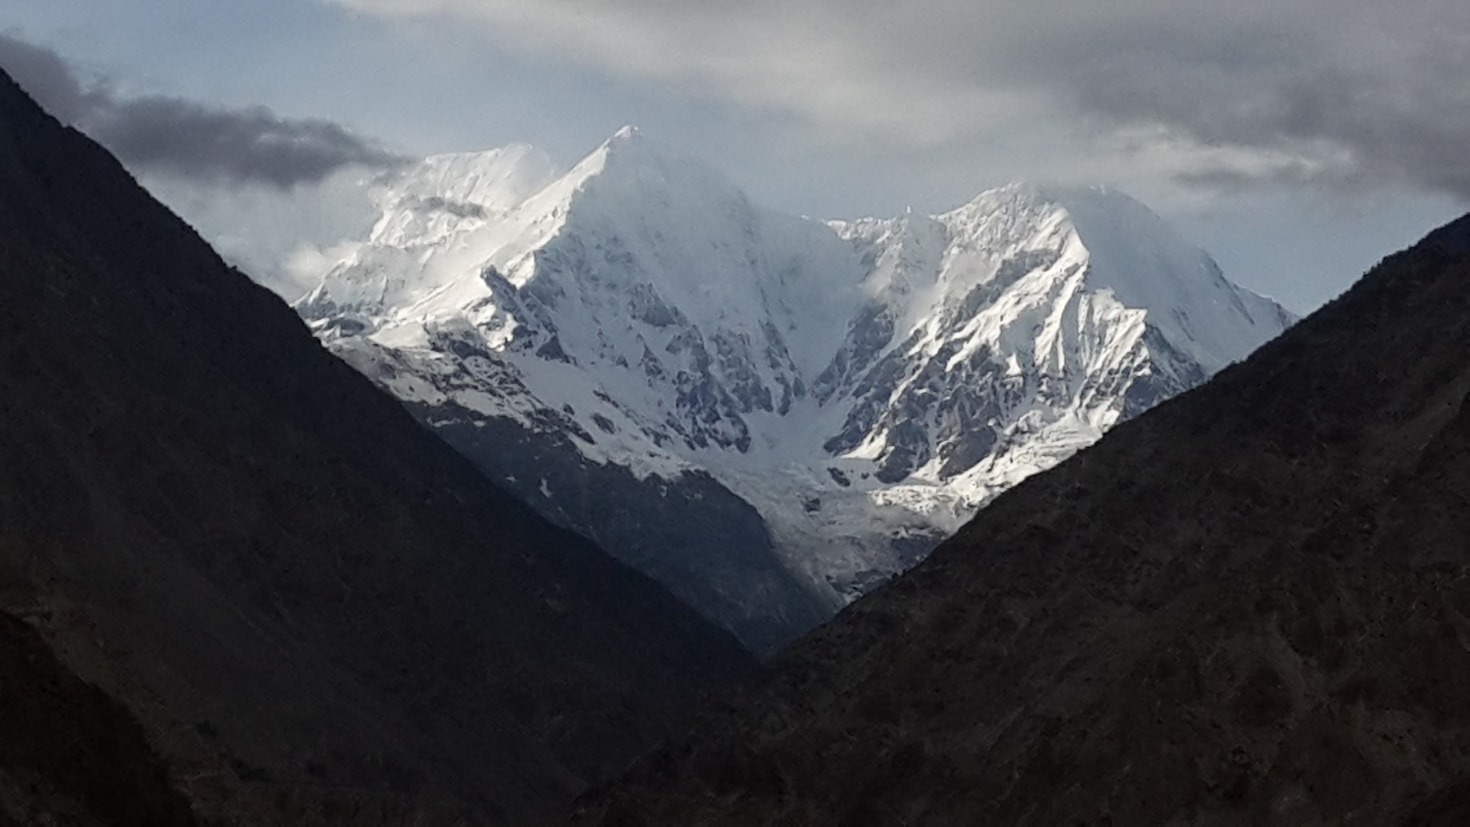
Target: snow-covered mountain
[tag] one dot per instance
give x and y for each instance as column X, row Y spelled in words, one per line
column 768, row 413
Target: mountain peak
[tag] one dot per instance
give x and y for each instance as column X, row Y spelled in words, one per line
column 632, row 173
column 886, row 376
column 630, row 148
column 1126, row 250
column 627, row 133
column 1046, row 196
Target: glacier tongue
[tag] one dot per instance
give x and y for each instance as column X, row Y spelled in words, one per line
column 865, row 385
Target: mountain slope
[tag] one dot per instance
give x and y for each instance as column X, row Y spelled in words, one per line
column 1246, row 606
column 315, row 609
column 68, row 753
column 835, row 398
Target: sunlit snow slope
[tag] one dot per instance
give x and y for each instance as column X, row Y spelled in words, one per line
column 629, row 343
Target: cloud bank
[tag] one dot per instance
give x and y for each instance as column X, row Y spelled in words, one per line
column 1332, row 93
column 187, row 139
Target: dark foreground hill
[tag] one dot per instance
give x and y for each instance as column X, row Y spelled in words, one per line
column 309, row 607
column 1250, row 605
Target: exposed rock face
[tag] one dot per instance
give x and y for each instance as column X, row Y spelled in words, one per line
column 313, row 608
column 1248, row 605
column 863, row 387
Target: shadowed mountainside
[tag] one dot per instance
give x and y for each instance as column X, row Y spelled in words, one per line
column 1250, row 605
column 68, row 753
column 314, row 608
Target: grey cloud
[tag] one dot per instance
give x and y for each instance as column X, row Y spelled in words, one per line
column 48, row 79
column 1391, row 101
column 1235, row 180
column 184, row 138
column 1379, row 87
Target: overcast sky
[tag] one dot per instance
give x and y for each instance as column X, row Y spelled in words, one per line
column 1297, row 140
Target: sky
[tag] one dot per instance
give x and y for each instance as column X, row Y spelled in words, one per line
column 1298, row 141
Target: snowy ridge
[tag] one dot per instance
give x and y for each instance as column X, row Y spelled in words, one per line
column 866, row 385
column 1025, row 309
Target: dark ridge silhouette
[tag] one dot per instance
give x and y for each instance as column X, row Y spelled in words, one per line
column 1248, row 606
column 315, row 610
